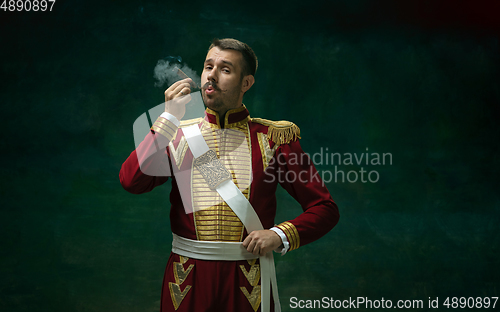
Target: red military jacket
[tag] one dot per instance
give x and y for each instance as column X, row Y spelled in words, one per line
column 260, row 154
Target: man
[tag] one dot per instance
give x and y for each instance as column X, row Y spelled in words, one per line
column 223, row 228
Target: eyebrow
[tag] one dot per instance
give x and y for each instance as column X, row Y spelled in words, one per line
column 223, row 61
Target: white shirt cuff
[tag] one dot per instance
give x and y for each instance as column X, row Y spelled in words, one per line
column 286, row 244
column 171, row 118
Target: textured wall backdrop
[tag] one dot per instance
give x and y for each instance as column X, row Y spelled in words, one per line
column 419, row 81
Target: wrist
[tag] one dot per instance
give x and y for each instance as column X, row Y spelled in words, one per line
column 171, row 118
column 285, row 245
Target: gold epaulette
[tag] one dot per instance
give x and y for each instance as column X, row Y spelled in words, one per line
column 189, row 122
column 280, row 132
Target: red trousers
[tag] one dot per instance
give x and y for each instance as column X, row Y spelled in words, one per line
column 192, row 285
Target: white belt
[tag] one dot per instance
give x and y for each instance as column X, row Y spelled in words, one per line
column 204, row 250
column 232, row 195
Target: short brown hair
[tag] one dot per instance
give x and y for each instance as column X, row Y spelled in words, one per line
column 250, row 62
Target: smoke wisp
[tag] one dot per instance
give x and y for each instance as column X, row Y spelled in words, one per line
column 165, row 72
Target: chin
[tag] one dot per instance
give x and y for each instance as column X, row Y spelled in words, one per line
column 208, row 103
column 212, row 104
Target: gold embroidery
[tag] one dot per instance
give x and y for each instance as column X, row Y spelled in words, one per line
column 212, row 112
column 180, row 274
column 190, row 122
column 295, row 234
column 210, row 212
column 280, row 132
column 219, row 237
column 232, row 145
column 229, row 228
column 232, row 111
column 219, row 232
column 265, row 149
column 162, row 132
column 252, row 261
column 235, row 222
column 165, row 127
column 179, row 152
column 176, row 294
column 254, row 297
column 285, row 227
column 212, row 170
column 221, row 218
column 253, row 276
column 213, row 219
column 226, row 119
column 215, row 210
column 291, row 233
column 166, row 124
column 208, row 198
column 240, row 124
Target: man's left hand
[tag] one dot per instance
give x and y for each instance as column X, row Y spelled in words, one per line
column 262, row 242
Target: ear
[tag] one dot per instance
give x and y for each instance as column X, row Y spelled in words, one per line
column 247, row 83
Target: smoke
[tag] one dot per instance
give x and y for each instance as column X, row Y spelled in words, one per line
column 165, row 72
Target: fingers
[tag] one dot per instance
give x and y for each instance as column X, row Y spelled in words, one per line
column 178, row 89
column 253, row 248
column 180, row 100
column 177, row 106
column 250, row 243
column 247, row 240
column 181, row 90
column 186, row 81
column 177, row 96
column 257, row 243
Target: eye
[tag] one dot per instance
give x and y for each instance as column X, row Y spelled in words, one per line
column 226, row 70
column 208, row 67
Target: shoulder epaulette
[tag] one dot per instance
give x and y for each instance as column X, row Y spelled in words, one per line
column 189, row 122
column 280, row 132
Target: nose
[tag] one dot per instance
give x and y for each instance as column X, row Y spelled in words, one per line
column 212, row 75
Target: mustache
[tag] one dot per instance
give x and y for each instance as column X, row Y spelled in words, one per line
column 213, row 85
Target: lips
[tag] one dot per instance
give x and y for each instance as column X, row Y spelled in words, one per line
column 210, row 88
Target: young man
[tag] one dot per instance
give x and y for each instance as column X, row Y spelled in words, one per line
column 223, row 200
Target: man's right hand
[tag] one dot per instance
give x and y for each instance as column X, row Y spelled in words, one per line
column 177, row 96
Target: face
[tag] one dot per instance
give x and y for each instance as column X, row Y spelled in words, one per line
column 222, row 84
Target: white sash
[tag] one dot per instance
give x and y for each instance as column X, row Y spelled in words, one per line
column 232, row 195
column 210, row 250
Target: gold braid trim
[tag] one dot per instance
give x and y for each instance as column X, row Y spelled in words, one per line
column 291, row 234
column 189, row 122
column 280, row 132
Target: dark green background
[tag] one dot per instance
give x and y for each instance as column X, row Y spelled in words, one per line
column 420, row 81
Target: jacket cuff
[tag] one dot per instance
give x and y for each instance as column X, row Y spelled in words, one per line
column 291, row 234
column 166, row 125
column 284, row 240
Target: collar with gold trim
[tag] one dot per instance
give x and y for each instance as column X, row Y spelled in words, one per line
column 233, row 118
